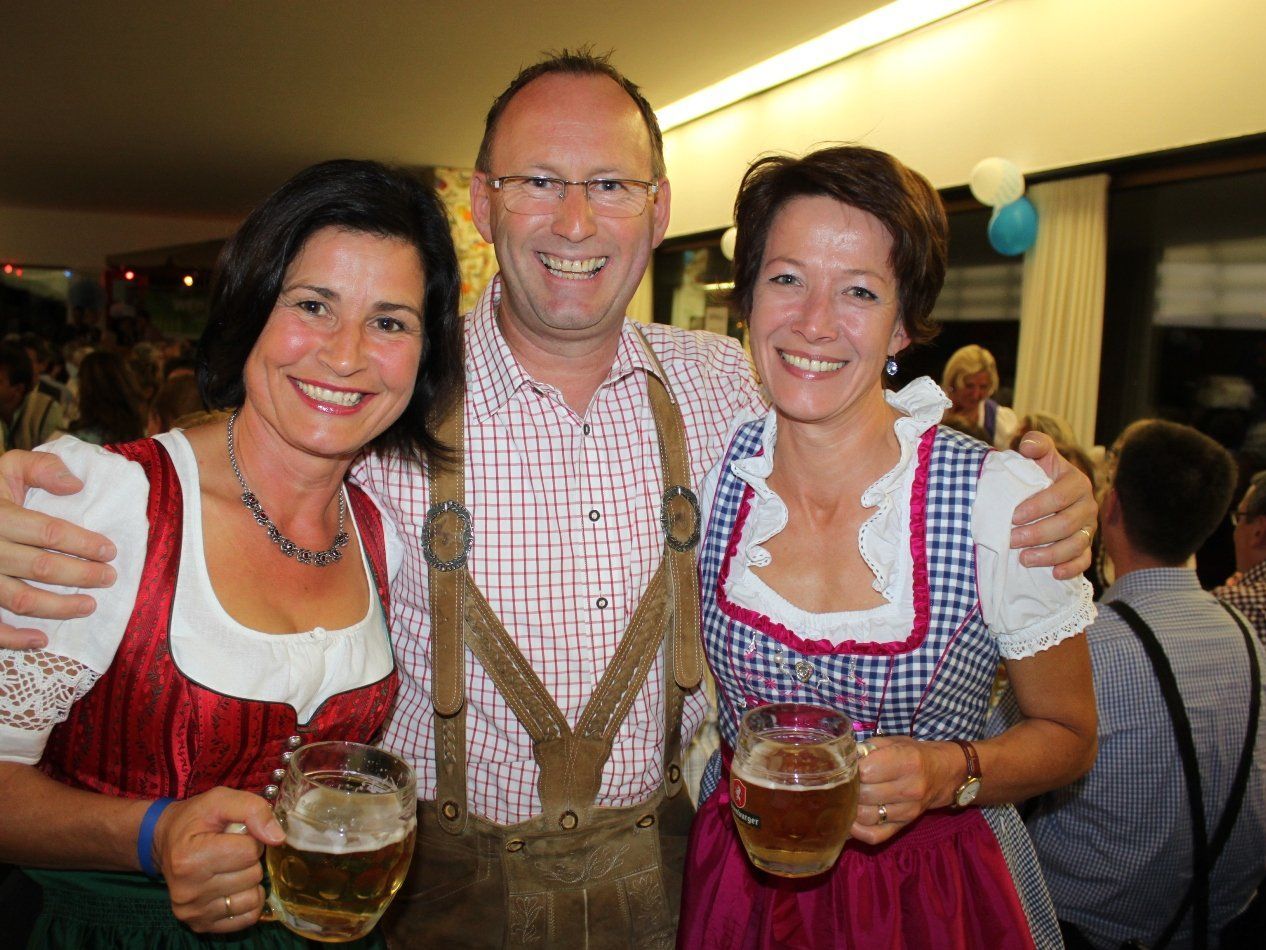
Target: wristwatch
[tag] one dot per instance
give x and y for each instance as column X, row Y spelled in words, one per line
column 966, row 793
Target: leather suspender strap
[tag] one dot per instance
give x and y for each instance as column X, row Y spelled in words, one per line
column 447, row 535
column 571, row 763
column 1204, row 853
column 674, row 699
column 1199, row 890
column 682, row 522
column 1240, row 782
column 446, row 557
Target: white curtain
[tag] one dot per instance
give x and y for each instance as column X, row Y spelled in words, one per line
column 1061, row 305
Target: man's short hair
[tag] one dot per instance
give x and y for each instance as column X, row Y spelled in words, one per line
column 1174, row 485
column 572, row 62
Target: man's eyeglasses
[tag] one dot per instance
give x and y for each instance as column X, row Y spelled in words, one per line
column 608, row 197
column 1239, row 517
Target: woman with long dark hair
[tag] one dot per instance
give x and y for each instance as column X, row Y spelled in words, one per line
column 249, row 614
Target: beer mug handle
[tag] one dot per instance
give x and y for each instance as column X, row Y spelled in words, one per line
column 266, row 915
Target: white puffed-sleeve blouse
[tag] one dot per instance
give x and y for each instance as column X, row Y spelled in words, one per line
column 1026, row 609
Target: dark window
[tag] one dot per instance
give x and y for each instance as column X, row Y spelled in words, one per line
column 979, row 304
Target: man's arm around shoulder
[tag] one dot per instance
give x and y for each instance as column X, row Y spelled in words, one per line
column 37, row 547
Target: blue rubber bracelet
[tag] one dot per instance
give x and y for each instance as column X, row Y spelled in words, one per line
column 145, row 840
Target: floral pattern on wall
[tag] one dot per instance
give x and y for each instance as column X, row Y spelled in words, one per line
column 474, row 256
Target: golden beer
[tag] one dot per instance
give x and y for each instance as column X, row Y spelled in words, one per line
column 794, row 787
column 350, row 831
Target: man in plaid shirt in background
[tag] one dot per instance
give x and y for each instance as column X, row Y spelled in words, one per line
column 563, row 484
column 1246, row 591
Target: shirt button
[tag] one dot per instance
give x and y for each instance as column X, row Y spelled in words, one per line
column 594, row 515
column 294, row 742
column 278, row 774
column 587, row 429
column 601, row 603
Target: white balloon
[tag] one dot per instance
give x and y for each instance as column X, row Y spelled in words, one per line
column 727, row 243
column 996, row 182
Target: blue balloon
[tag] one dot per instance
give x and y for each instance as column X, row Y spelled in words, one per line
column 1013, row 227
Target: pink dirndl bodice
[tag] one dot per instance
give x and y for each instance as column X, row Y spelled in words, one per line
column 952, row 878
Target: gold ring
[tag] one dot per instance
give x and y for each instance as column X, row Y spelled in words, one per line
column 1089, row 537
column 883, row 815
column 228, row 906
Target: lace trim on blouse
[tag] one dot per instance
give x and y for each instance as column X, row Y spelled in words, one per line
column 1026, row 643
column 37, row 689
column 1041, row 611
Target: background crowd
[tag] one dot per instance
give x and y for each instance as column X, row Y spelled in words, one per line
column 92, row 386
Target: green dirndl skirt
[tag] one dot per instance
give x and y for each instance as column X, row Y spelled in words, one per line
column 108, row 910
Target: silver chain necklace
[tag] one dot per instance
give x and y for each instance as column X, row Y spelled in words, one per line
column 288, row 547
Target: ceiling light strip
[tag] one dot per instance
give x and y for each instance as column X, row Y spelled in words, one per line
column 879, row 26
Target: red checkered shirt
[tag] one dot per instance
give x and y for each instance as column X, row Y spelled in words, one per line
column 1248, row 597
column 566, row 540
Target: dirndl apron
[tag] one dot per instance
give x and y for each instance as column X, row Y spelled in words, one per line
column 952, row 878
column 577, row 875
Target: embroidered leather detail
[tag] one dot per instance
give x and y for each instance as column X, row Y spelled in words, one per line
column 584, row 868
column 526, row 915
column 645, row 897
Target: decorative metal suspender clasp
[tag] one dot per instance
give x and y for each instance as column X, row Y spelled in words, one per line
column 448, row 530
column 679, row 516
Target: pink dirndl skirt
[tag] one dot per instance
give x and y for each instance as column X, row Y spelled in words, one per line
column 941, row 883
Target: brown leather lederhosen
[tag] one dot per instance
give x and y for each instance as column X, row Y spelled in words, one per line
column 576, row 875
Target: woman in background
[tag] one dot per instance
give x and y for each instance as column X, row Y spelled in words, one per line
column 109, row 408
column 177, row 399
column 970, row 379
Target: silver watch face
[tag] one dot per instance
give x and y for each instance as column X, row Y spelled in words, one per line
column 967, row 792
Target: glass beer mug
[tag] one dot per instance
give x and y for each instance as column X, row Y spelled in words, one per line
column 350, row 816
column 794, row 787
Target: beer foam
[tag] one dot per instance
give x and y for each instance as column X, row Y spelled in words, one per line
column 765, row 780
column 821, row 766
column 332, row 822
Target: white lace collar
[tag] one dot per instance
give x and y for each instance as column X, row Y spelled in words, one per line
column 920, row 405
